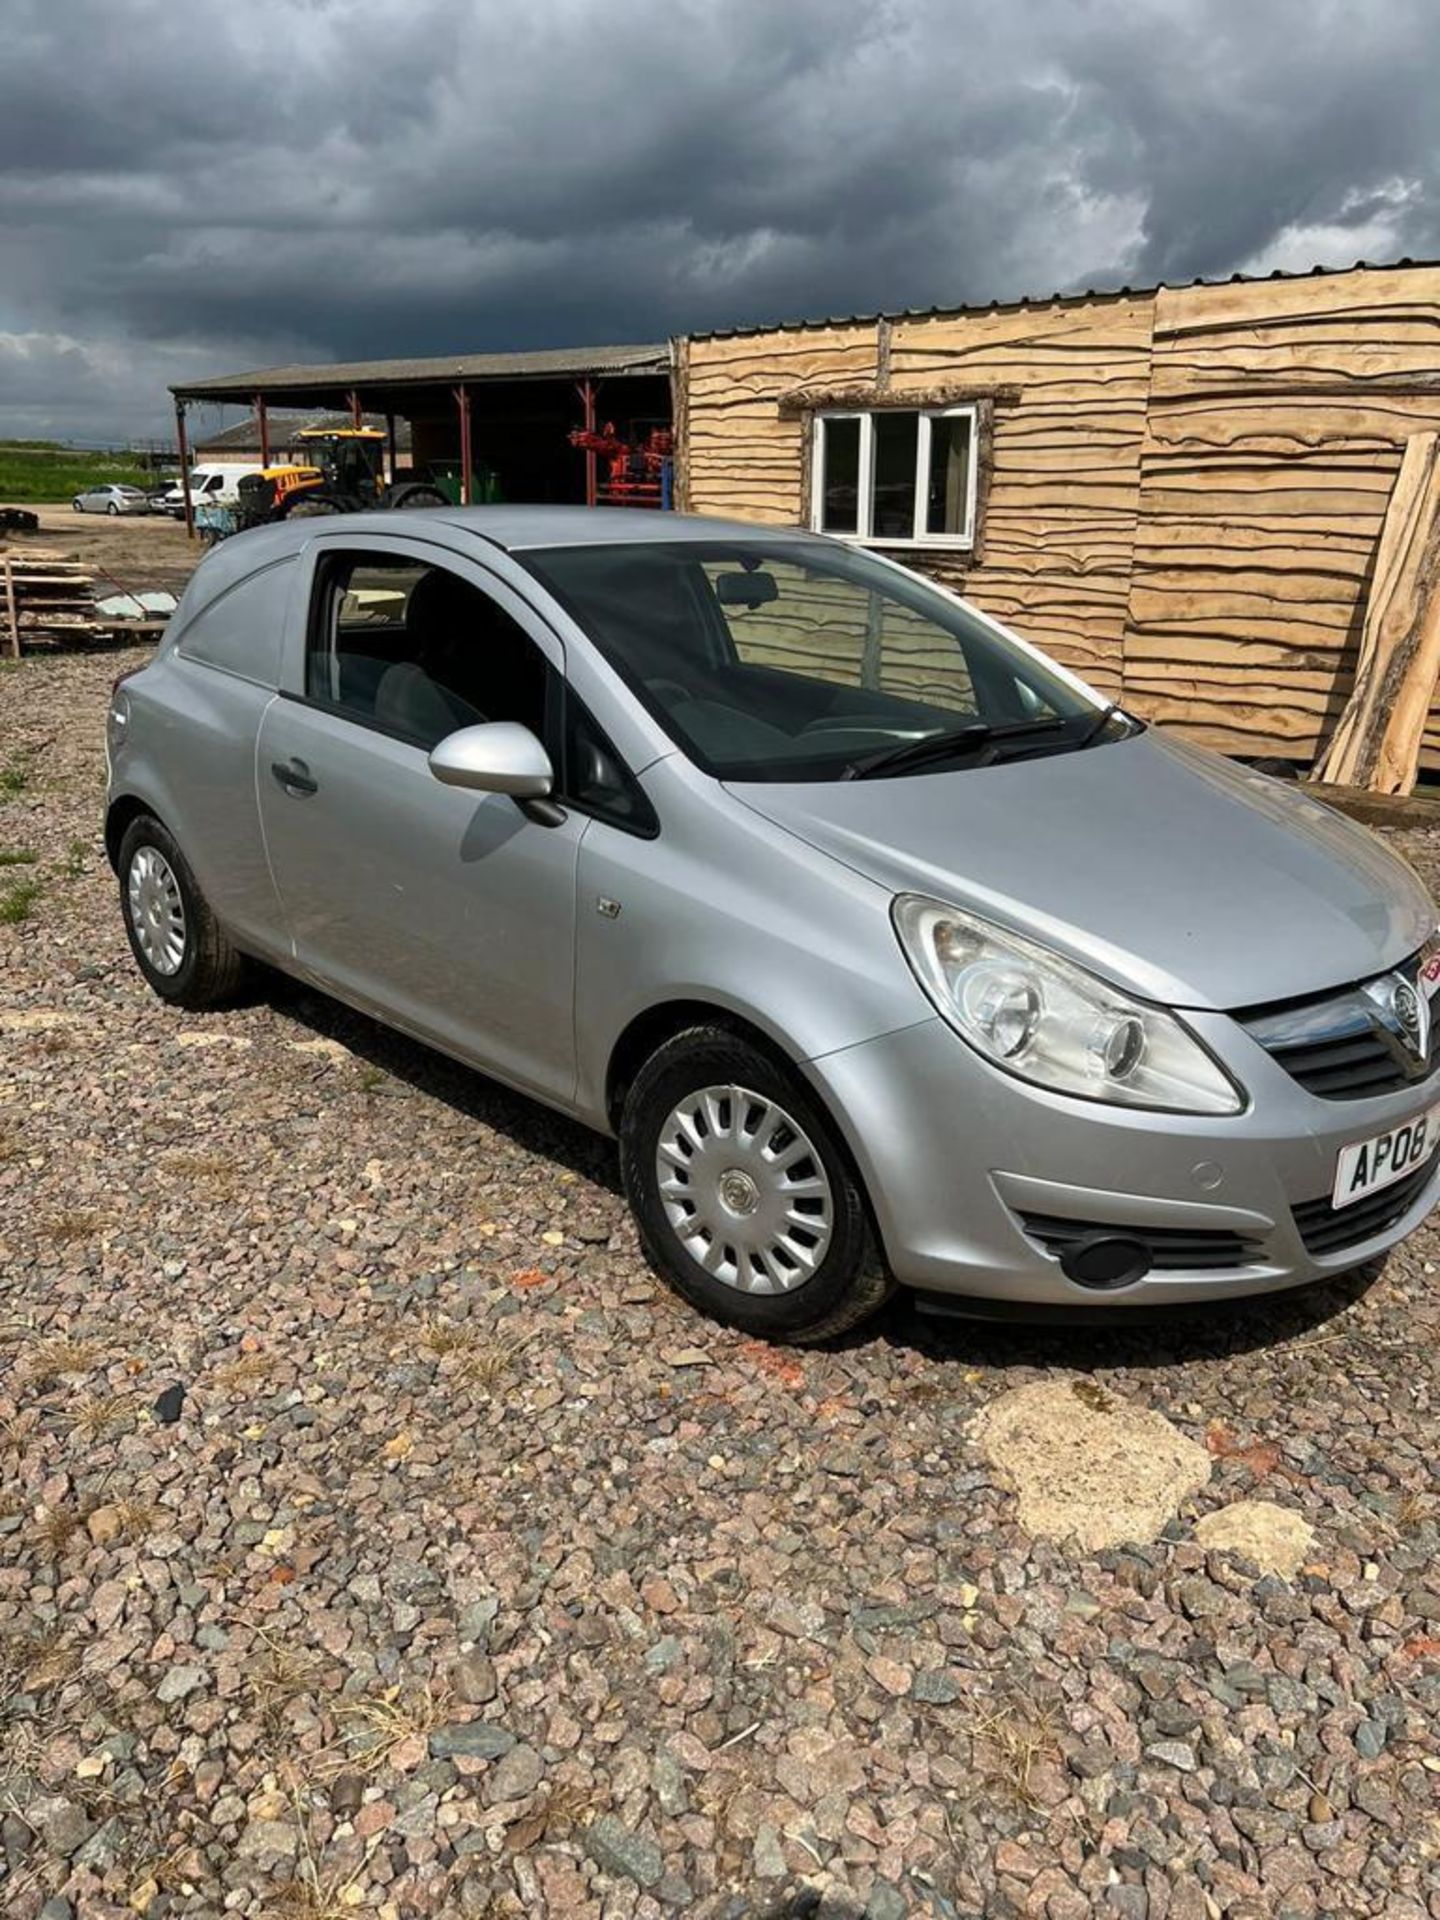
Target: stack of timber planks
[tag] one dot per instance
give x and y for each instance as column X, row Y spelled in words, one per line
column 44, row 595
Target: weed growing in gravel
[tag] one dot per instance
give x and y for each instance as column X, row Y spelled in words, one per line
column 247, row 1371
column 137, row 1520
column 278, row 1674
column 369, row 1080
column 95, row 1414
column 215, row 1173
column 73, row 865
column 439, row 1336
column 1008, row 1738
column 376, row 1728
column 10, row 1142
column 19, row 858
column 54, row 1531
column 72, row 1224
column 14, row 779
column 60, row 1354
column 36, row 1661
column 17, row 901
column 488, row 1368
column 313, row 1895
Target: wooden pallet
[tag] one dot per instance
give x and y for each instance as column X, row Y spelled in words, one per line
column 45, row 593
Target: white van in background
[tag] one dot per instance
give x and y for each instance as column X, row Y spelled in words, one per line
column 211, row 485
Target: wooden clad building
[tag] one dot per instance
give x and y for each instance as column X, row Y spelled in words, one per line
column 1178, row 492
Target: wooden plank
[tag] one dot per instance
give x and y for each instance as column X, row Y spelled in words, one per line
column 10, row 619
column 1377, row 741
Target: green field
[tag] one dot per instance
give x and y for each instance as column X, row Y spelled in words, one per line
column 33, row 470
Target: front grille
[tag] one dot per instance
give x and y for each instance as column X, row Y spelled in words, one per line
column 1328, row 1229
column 1172, row 1249
column 1346, row 1045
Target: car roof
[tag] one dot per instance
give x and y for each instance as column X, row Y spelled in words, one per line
column 516, row 529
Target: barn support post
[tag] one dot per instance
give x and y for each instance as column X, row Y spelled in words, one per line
column 586, row 391
column 357, row 416
column 262, row 415
column 462, row 402
column 391, row 456
column 182, row 448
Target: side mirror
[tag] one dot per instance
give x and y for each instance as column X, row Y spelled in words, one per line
column 499, row 756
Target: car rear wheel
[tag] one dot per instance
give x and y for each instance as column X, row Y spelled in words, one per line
column 177, row 942
column 112, row 508
column 746, row 1202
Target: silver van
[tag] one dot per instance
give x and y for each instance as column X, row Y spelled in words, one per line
column 888, row 949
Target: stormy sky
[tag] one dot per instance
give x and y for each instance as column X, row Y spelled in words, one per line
column 191, row 187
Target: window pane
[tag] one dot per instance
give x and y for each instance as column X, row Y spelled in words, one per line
column 893, row 514
column 419, row 652
column 949, row 486
column 840, row 485
column 242, row 630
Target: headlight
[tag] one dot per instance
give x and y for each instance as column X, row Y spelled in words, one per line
column 1048, row 1021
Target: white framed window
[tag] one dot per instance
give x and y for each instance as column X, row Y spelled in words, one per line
column 895, row 476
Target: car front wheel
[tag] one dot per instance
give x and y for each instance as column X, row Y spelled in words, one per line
column 746, row 1202
column 177, row 942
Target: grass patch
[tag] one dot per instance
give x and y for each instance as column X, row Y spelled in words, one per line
column 248, row 1371
column 37, row 1661
column 375, row 1728
column 61, row 1354
column 63, row 1229
column 72, row 867
column 14, row 778
column 1009, row 1737
column 18, row 901
column 55, row 1532
column 19, row 858
column 483, row 1360
column 44, row 471
column 213, row 1173
column 96, row 1414
column 279, row 1674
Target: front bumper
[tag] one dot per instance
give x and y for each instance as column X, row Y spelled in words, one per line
column 968, row 1170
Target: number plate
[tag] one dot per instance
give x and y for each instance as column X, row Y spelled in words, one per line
column 1369, row 1165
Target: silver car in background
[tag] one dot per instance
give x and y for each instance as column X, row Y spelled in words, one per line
column 111, row 500
column 889, row 950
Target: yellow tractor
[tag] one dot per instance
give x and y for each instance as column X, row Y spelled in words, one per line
column 345, row 475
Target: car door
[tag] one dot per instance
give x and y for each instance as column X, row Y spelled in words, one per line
column 447, row 912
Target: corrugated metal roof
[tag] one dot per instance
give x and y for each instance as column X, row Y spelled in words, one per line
column 244, row 437
column 553, row 363
column 1049, row 300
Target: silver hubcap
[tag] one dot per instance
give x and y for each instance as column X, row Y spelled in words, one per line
column 157, row 912
column 744, row 1190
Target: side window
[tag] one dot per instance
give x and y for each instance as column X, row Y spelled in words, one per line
column 417, row 651
column 242, row 630
column 595, row 778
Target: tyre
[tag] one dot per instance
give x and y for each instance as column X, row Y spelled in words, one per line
column 309, row 504
column 417, row 494
column 75, row 507
column 177, row 942
column 112, row 509
column 746, row 1202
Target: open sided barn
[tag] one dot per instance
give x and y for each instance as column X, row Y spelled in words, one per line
column 1180, row 492
column 487, row 426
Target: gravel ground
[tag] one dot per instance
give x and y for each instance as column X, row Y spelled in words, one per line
column 377, row 1536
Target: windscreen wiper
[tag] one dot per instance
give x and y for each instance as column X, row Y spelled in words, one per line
column 940, row 746
column 1099, row 724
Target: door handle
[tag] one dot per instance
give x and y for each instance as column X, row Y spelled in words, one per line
column 294, row 776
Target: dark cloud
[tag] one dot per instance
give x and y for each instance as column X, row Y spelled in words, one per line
column 189, row 189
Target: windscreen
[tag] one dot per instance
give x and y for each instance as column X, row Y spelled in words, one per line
column 770, row 659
